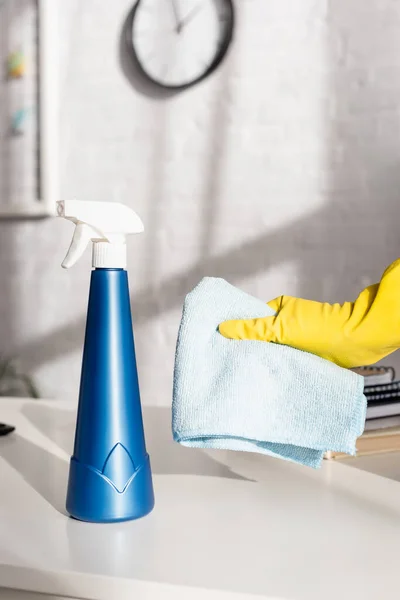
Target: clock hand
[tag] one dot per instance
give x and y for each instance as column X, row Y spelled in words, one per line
column 189, row 16
column 176, row 15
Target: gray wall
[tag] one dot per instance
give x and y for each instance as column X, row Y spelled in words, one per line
column 280, row 174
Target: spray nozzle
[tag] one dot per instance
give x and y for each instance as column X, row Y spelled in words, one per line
column 106, row 224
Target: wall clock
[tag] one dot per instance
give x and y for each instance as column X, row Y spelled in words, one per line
column 178, row 43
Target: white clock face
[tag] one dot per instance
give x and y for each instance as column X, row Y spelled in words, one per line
column 177, row 42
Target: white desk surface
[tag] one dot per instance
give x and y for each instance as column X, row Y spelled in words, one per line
column 225, row 525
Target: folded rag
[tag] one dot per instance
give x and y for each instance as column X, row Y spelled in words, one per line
column 257, row 396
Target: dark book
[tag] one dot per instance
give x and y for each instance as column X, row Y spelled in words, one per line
column 386, row 391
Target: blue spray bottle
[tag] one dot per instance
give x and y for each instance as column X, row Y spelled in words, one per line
column 110, row 475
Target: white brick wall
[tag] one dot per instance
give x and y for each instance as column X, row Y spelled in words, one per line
column 280, row 174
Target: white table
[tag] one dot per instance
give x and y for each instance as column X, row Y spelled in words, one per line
column 225, row 525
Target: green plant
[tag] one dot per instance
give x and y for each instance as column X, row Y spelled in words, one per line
column 15, row 383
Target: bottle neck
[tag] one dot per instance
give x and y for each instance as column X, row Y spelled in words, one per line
column 106, row 255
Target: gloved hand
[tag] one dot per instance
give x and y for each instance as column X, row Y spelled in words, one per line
column 350, row 334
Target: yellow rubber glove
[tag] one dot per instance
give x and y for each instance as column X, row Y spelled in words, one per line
column 350, row 334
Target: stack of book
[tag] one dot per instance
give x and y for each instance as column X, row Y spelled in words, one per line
column 382, row 426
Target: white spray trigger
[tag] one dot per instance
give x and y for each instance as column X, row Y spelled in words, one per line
column 82, row 236
column 105, row 224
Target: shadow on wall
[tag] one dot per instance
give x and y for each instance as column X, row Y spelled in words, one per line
column 346, row 243
column 360, row 230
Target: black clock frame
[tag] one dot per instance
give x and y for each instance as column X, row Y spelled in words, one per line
column 219, row 57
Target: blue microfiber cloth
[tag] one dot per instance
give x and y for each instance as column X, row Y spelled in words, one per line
column 257, row 396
